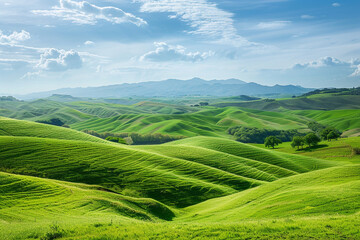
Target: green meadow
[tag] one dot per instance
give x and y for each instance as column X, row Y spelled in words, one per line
column 61, row 183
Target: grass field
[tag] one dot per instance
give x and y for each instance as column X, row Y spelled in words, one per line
column 58, row 183
column 210, row 122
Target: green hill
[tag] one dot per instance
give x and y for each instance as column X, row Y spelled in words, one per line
column 164, row 174
column 314, row 102
column 25, row 198
column 324, row 192
column 210, row 122
column 12, row 127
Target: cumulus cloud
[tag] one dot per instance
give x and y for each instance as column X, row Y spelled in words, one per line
column 327, row 65
column 14, row 37
column 165, row 52
column 204, row 17
column 272, row 25
column 86, row 13
column 55, row 60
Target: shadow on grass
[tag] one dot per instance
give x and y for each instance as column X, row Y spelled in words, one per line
column 307, row 149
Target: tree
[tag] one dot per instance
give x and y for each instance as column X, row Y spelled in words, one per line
column 325, row 133
column 311, row 139
column 204, row 103
column 298, row 142
column 272, row 141
column 332, row 135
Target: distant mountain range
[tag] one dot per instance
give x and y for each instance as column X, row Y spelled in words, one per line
column 176, row 88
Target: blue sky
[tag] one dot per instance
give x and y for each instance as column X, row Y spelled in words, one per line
column 69, row 43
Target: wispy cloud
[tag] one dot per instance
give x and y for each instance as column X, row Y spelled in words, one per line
column 336, row 4
column 86, row 13
column 305, row 16
column 203, row 17
column 165, row 52
column 272, row 25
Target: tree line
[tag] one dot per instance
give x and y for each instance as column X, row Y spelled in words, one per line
column 257, row 135
column 135, row 138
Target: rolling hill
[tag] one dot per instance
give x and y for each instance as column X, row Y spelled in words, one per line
column 60, row 183
column 324, row 192
column 313, row 102
column 209, row 122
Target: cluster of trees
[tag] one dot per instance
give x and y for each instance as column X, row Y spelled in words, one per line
column 312, row 139
column 257, row 135
column 201, row 104
column 136, row 138
column 8, row 98
column 54, row 121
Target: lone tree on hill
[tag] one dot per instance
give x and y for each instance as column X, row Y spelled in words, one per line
column 272, row 141
column 298, row 142
column 312, row 139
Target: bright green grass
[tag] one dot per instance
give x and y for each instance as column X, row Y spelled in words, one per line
column 324, row 192
column 341, row 119
column 12, row 127
column 340, row 150
column 31, row 199
column 315, row 102
column 322, row 227
column 169, row 176
column 210, row 122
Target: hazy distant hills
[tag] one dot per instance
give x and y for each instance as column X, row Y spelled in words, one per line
column 175, row 88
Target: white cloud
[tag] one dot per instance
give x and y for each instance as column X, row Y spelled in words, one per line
column 55, row 60
column 336, row 4
column 356, row 73
column 14, row 37
column 272, row 25
column 165, row 52
column 86, row 13
column 305, row 16
column 89, row 43
column 204, row 17
column 324, row 62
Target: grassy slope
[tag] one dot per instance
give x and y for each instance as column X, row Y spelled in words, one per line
column 174, row 171
column 12, row 127
column 340, row 150
column 211, row 122
column 178, row 180
column 25, row 198
column 72, row 112
column 314, row 102
column 341, row 119
column 329, row 191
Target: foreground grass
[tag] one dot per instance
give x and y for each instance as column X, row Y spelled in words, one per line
column 323, row 227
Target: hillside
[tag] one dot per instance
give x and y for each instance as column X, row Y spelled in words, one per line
column 174, row 87
column 27, row 198
column 12, row 127
column 88, row 190
column 209, row 122
column 324, row 192
column 313, row 102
